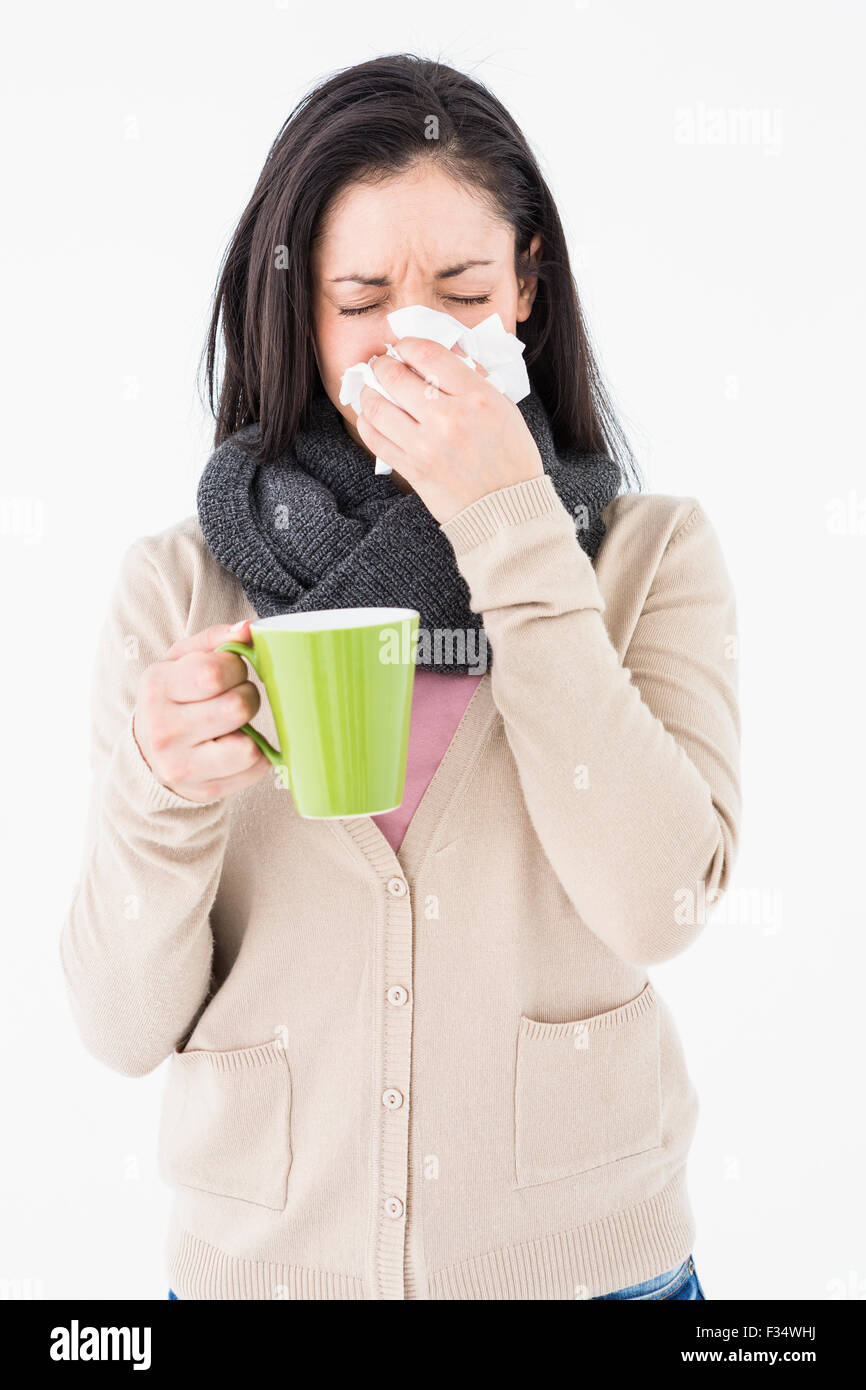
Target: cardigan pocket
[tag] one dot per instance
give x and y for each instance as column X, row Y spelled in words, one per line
column 225, row 1123
column 587, row 1092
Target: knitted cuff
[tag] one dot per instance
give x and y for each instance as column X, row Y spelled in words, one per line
column 130, row 770
column 534, row 497
column 518, row 546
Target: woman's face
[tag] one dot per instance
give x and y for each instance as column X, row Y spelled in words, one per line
column 418, row 239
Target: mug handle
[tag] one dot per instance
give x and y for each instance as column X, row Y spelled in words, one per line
column 271, row 753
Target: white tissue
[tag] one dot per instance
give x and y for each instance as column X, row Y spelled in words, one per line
column 488, row 343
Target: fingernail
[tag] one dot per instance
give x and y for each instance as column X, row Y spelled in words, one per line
column 238, row 626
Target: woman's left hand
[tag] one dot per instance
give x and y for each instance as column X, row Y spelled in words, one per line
column 451, row 435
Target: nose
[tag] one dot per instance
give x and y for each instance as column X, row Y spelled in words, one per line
column 416, row 297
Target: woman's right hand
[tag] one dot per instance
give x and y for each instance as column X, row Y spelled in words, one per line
column 188, row 713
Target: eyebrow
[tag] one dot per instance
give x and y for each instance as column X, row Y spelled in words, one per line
column 448, row 274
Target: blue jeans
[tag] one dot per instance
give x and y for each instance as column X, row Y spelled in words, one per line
column 679, row 1283
column 682, row 1282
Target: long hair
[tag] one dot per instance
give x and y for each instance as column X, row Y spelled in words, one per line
column 371, row 122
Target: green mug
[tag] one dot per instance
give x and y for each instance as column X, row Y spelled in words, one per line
column 339, row 683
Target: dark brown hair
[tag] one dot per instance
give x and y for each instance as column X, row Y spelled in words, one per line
column 375, row 121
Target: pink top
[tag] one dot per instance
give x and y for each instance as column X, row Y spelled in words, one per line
column 438, row 703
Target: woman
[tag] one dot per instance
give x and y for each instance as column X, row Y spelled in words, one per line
column 414, row 1056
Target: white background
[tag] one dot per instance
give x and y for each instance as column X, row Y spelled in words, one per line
column 722, row 279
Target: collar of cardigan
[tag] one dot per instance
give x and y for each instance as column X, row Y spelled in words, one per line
column 362, row 833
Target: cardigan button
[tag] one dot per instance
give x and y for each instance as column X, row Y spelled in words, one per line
column 393, row 1208
column 397, row 995
column 391, row 1099
column 397, row 887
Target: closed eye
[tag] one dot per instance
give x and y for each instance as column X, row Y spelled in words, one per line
column 454, row 299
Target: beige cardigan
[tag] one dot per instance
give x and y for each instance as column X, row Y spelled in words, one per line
column 442, row 1074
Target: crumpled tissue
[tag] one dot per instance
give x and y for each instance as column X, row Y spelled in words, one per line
column 489, row 344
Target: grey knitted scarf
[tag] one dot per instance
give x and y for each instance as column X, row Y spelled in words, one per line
column 317, row 528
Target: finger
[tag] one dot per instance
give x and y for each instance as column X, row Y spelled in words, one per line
column 438, row 365
column 384, row 448
column 217, row 759
column 197, row 722
column 386, row 428
column 227, row 786
column 210, row 638
column 233, row 762
column 482, row 371
column 201, row 675
column 409, row 390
